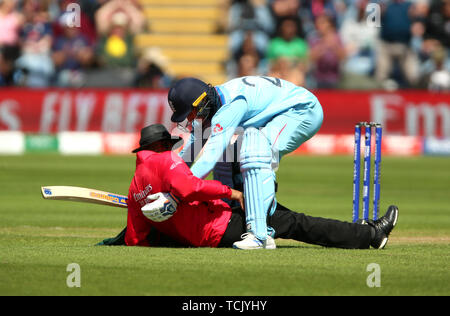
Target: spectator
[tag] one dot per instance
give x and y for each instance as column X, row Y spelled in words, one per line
column 417, row 39
column 117, row 23
column 284, row 68
column 360, row 41
column 71, row 53
column 89, row 8
column 116, row 48
column 104, row 16
column 440, row 76
column 288, row 43
column 248, row 65
column 288, row 53
column 35, row 62
column 326, row 53
column 312, row 9
column 283, row 9
column 7, row 66
column 438, row 22
column 394, row 46
column 152, row 70
column 419, row 10
column 323, row 7
column 253, row 16
column 86, row 27
column 248, row 48
column 10, row 23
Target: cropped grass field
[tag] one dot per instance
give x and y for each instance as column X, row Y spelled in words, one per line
column 39, row 238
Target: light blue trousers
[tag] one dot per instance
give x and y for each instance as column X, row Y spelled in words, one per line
column 289, row 130
column 260, row 155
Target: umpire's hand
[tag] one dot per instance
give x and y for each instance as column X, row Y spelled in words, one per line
column 238, row 196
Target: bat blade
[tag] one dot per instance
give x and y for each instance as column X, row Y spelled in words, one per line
column 79, row 194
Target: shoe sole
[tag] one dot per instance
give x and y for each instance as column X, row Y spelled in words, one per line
column 234, row 247
column 383, row 243
column 396, row 218
column 269, row 247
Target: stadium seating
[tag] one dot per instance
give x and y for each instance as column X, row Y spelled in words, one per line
column 187, row 32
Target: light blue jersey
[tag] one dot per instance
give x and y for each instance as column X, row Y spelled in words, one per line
column 266, row 97
column 287, row 114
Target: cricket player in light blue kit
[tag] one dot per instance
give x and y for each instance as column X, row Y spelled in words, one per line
column 277, row 117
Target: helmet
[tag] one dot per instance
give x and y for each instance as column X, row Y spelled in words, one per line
column 187, row 94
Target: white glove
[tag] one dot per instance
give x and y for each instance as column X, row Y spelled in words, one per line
column 160, row 208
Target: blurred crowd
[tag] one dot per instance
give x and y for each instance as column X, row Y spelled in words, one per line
column 74, row 43
column 344, row 44
column 348, row 44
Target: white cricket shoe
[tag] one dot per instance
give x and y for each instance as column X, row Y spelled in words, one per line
column 250, row 242
column 270, row 243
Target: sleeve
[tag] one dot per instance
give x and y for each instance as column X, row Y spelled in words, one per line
column 188, row 152
column 186, row 187
column 223, row 126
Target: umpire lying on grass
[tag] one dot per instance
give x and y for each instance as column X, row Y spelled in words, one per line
column 190, row 211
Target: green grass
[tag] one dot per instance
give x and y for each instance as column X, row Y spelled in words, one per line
column 39, row 238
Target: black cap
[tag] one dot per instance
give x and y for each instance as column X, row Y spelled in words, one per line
column 184, row 95
column 154, row 133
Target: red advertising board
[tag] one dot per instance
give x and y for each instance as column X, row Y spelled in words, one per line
column 111, row 111
column 412, row 113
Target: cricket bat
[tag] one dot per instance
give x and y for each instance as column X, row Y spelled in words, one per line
column 70, row 193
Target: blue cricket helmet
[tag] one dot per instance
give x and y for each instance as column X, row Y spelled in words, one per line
column 185, row 95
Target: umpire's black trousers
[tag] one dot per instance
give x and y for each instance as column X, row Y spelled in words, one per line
column 308, row 229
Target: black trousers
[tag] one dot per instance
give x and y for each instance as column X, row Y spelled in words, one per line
column 287, row 225
column 308, row 229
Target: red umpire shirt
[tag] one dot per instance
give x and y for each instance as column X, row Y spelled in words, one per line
column 201, row 217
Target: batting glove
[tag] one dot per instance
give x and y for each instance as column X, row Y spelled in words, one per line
column 160, row 207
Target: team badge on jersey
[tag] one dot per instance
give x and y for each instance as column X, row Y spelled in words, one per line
column 218, row 128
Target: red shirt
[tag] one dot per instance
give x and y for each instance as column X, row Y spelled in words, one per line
column 201, row 217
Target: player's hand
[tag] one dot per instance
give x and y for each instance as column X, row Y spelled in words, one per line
column 238, row 196
column 160, row 207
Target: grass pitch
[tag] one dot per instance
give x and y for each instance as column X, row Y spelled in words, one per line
column 39, row 238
